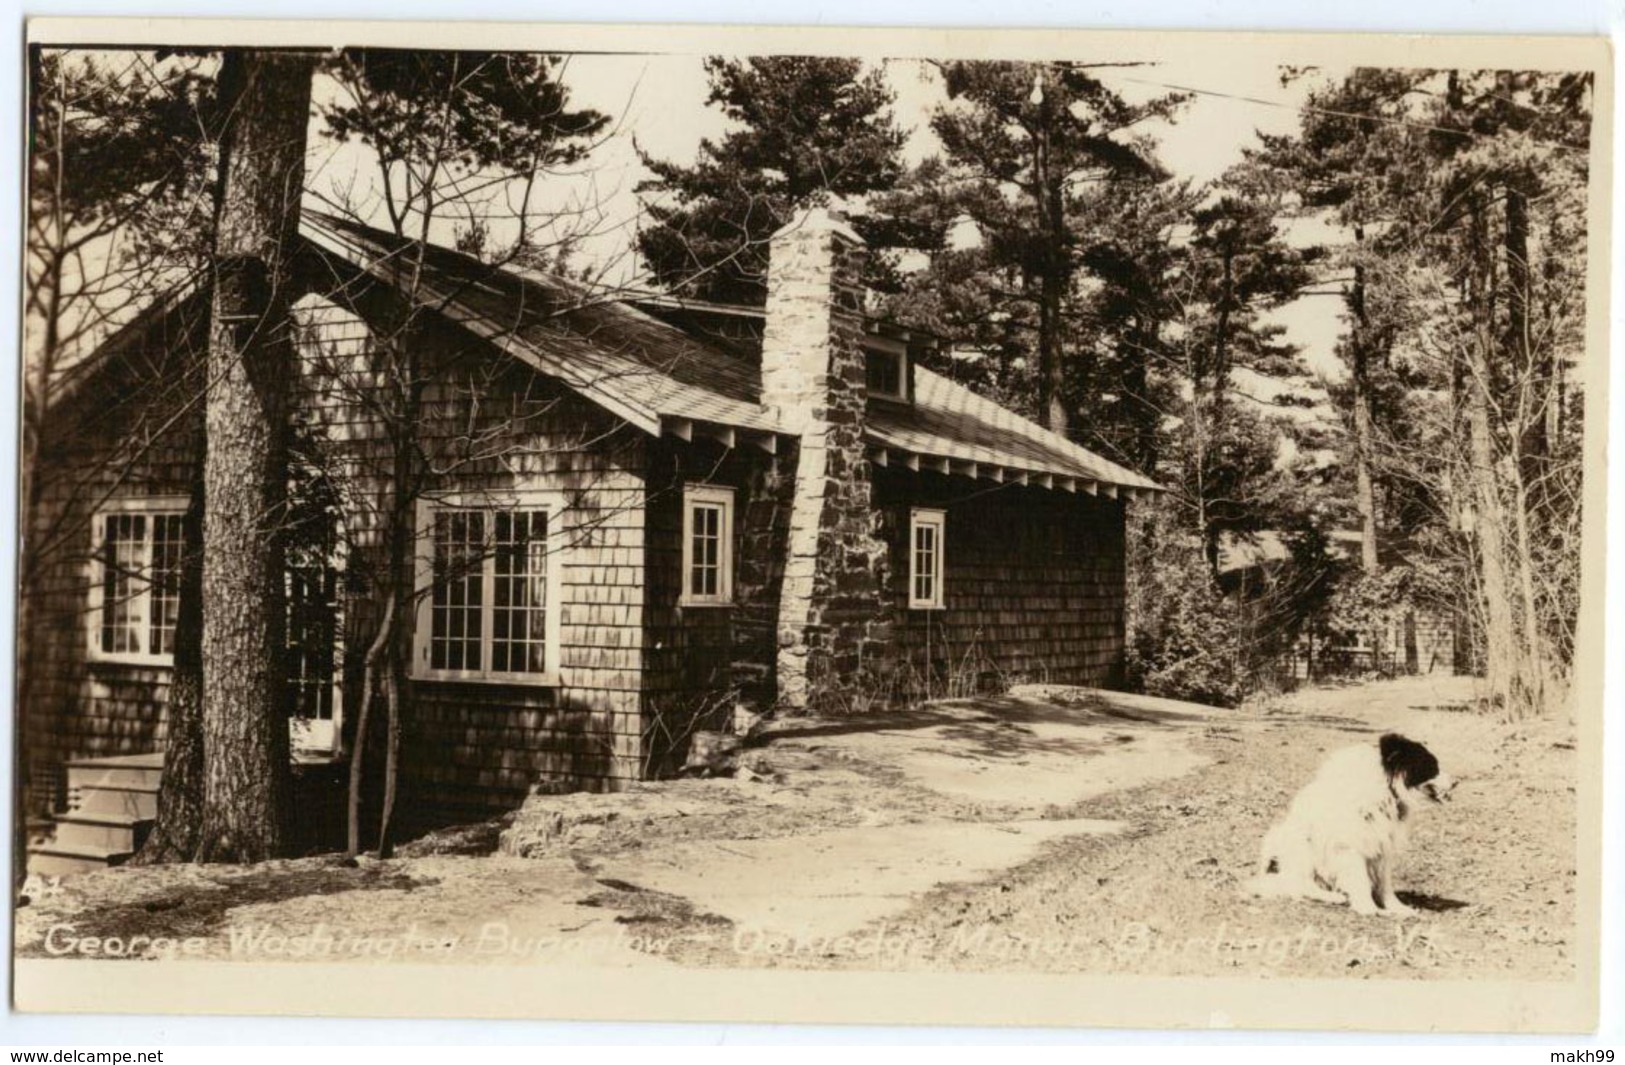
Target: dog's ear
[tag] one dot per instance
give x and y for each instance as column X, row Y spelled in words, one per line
column 1407, row 760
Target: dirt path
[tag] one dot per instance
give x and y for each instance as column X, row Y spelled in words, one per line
column 1494, row 871
column 1068, row 831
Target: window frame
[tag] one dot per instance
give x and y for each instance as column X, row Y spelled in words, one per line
column 552, row 504
column 150, row 507
column 934, row 518
column 720, row 497
column 882, row 346
column 323, row 735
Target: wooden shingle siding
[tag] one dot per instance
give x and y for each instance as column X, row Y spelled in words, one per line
column 127, row 431
column 492, row 427
column 700, row 660
column 1033, row 583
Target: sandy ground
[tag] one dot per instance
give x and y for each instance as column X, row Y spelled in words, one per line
column 1054, row 831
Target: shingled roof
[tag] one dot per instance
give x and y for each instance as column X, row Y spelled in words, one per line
column 664, row 378
column 633, row 364
column 667, row 379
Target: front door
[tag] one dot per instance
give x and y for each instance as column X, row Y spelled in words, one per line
column 314, row 637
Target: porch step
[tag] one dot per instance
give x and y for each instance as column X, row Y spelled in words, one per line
column 111, row 806
column 59, row 859
column 141, row 771
column 115, row 832
column 114, row 800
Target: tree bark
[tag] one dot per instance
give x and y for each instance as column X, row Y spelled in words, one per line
column 370, row 672
column 1533, row 362
column 1221, row 330
column 174, row 836
column 402, row 538
column 1503, row 649
column 247, row 789
column 37, row 376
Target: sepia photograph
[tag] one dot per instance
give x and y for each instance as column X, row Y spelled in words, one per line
column 762, row 524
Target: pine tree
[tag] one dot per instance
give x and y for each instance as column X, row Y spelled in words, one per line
column 1048, row 131
column 247, row 786
column 437, row 119
column 1346, row 161
column 1464, row 192
column 807, row 129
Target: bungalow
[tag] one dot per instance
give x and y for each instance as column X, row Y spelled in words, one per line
column 636, row 512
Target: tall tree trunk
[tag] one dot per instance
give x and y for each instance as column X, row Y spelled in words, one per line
column 37, row 379
column 1220, row 369
column 247, row 789
column 1052, row 281
column 36, row 398
column 402, row 565
column 1365, row 497
column 371, row 670
column 1137, row 390
column 174, row 835
column 1503, row 650
column 1531, row 362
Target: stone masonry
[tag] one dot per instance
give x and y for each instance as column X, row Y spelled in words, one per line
column 832, row 625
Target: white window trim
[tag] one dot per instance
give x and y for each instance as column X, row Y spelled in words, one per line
column 890, row 347
column 722, row 497
column 151, row 506
column 938, row 520
column 553, row 503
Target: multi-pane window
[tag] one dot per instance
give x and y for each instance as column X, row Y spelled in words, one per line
column 707, row 545
column 489, row 609
column 457, row 598
column 925, row 554
column 519, row 607
column 135, row 585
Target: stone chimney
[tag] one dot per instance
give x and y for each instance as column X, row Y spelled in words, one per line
column 832, row 630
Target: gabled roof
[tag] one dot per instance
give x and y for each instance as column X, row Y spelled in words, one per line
column 185, row 302
column 667, row 379
column 635, row 365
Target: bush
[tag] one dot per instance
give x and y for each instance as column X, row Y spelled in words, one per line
column 1185, row 638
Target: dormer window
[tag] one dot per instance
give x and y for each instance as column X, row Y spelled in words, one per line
column 886, row 371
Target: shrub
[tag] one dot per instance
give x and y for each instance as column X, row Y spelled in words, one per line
column 1185, row 638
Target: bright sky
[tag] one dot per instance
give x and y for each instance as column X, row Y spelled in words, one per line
column 658, row 103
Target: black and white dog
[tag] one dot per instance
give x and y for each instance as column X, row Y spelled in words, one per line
column 1343, row 831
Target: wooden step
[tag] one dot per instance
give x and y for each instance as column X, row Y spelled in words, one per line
column 139, row 802
column 56, row 859
column 111, row 831
column 133, row 771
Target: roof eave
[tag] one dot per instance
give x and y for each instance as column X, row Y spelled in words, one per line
column 1000, row 472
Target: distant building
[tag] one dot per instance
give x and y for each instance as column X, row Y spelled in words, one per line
column 1414, row 637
